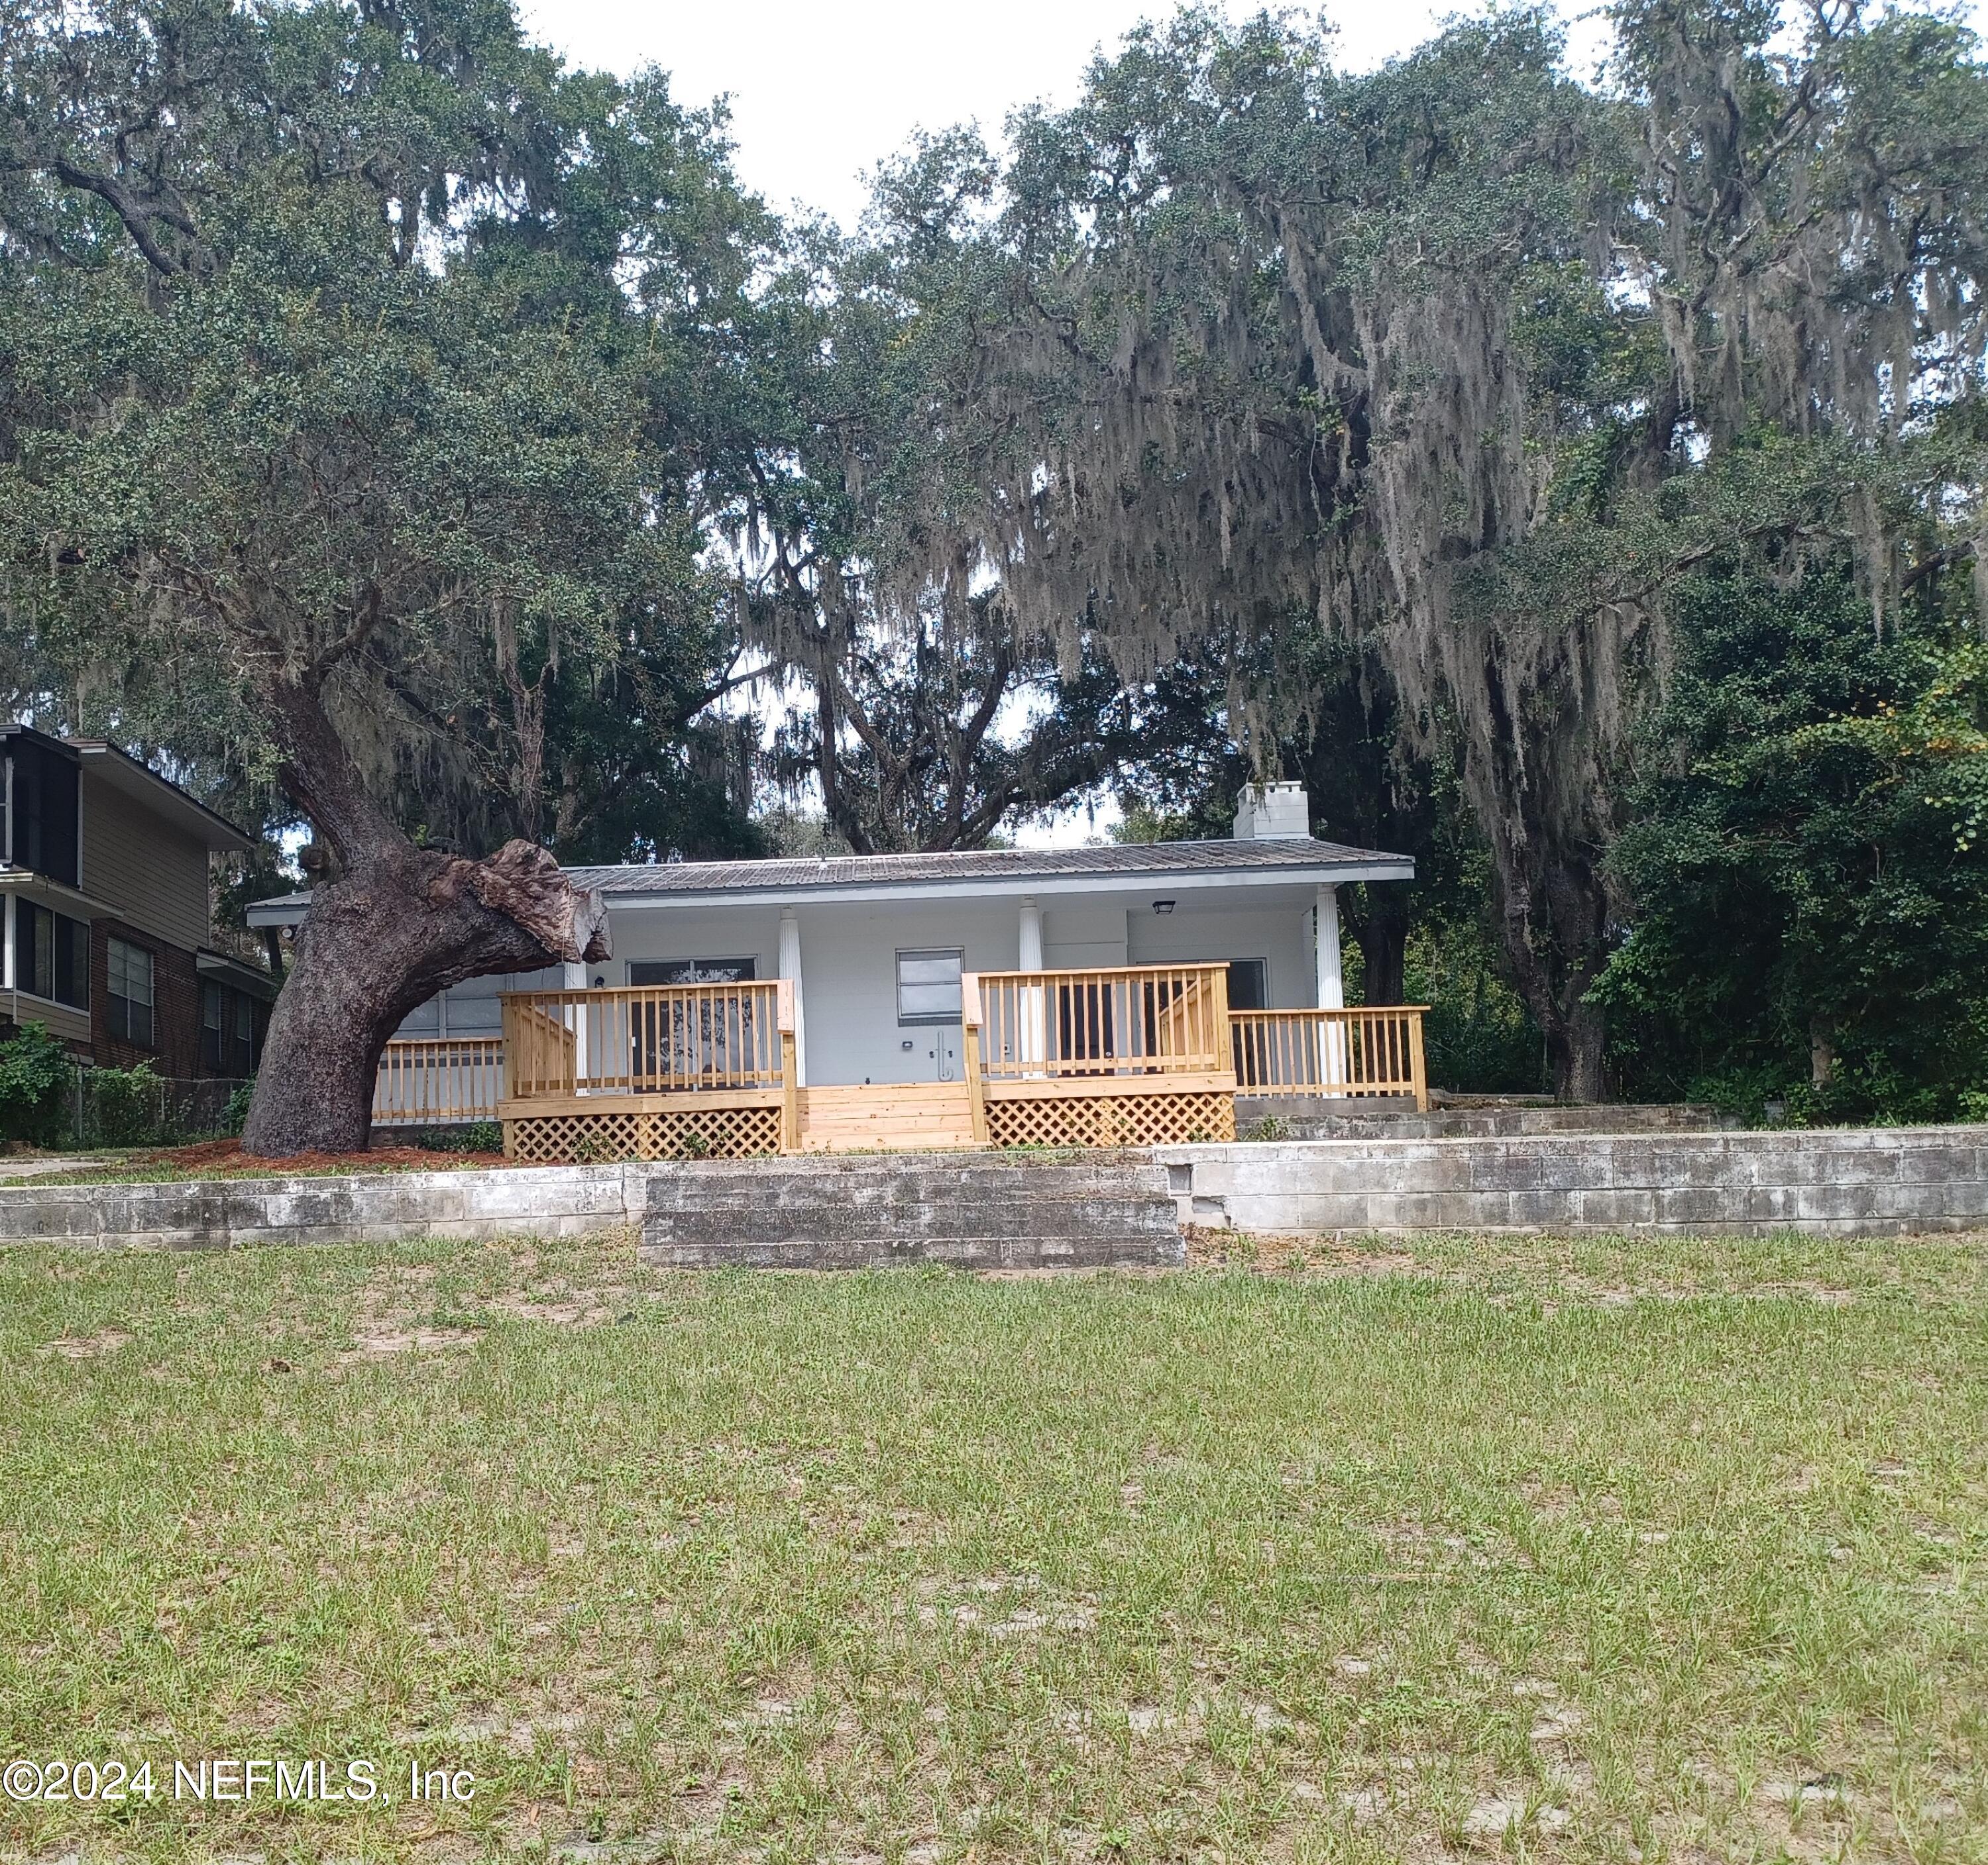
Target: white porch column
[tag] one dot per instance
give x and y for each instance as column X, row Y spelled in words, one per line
column 790, row 967
column 1331, row 984
column 574, row 1016
column 1030, row 946
column 1032, row 1001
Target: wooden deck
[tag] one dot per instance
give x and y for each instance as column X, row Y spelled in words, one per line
column 1126, row 1055
column 913, row 1117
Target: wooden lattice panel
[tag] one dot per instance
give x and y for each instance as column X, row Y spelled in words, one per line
column 609, row 1137
column 1114, row 1120
column 717, row 1132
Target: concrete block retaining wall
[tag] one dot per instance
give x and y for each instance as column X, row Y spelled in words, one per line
column 1846, row 1180
column 382, row 1206
column 1866, row 1180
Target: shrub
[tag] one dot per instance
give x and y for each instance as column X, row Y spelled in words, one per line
column 127, row 1107
column 37, row 1078
column 472, row 1136
column 234, row 1115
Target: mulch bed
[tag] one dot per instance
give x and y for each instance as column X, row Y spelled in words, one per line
column 225, row 1159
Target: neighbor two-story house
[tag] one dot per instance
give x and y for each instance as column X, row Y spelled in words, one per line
column 109, row 940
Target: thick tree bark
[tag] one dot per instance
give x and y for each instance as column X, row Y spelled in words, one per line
column 1576, row 1048
column 377, row 943
column 1383, row 933
column 1555, row 942
column 397, row 924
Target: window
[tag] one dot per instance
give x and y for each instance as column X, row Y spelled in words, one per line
column 51, row 955
column 1246, row 987
column 131, row 981
column 692, row 970
column 928, row 986
column 227, row 1032
column 43, row 828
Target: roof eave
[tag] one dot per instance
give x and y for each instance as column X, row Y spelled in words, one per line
column 125, row 774
column 1174, row 881
column 223, row 967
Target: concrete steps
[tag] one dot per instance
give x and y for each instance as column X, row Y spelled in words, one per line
column 896, row 1116
column 982, row 1211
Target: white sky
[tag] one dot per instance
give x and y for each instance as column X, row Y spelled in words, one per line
column 821, row 91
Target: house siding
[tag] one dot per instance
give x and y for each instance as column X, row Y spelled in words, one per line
column 849, row 964
column 72, row 1025
column 1281, row 937
column 152, row 875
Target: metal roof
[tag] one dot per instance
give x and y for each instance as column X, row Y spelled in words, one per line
column 1112, row 867
column 1128, row 860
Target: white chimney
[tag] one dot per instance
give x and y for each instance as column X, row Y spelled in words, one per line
column 1272, row 813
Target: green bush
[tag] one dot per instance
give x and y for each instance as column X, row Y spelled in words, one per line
column 472, row 1136
column 37, row 1080
column 234, row 1115
column 127, row 1107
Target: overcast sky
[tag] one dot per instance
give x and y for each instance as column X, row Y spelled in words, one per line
column 821, row 92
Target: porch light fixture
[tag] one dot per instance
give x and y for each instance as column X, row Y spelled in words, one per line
column 1163, row 906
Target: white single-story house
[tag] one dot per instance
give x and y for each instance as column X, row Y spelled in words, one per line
column 881, row 969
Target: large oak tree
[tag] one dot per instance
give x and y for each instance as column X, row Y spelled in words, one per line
column 362, row 370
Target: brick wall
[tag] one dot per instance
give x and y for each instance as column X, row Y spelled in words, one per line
column 175, row 1050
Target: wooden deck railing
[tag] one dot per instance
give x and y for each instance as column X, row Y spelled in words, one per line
column 1373, row 1051
column 647, row 1039
column 1127, row 1020
column 423, row 1080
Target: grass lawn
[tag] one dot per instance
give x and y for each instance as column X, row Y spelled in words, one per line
column 1571, row 1550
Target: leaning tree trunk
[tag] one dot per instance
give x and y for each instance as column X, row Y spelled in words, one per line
column 397, row 924
column 377, row 943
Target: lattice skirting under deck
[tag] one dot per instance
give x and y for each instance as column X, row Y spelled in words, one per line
column 602, row 1139
column 1112, row 1119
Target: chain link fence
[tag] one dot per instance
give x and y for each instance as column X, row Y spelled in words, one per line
column 135, row 1107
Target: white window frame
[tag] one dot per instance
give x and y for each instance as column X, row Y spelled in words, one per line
column 113, row 996
column 930, row 1019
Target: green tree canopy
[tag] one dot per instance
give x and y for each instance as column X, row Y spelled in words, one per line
column 369, row 378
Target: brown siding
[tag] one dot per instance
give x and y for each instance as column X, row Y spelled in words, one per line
column 175, row 1050
column 72, row 1026
column 153, row 875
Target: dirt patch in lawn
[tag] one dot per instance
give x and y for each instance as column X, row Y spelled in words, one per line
column 88, row 1346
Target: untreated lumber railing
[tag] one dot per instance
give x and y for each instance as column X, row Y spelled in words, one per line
column 648, row 1040
column 423, row 1081
column 1376, row 1050
column 1123, row 1020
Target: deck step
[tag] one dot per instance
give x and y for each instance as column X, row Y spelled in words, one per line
column 981, row 1211
column 903, row 1116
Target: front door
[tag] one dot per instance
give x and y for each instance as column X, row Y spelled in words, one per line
column 928, row 1002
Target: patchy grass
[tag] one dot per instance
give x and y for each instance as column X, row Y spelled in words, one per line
column 1443, row 1547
